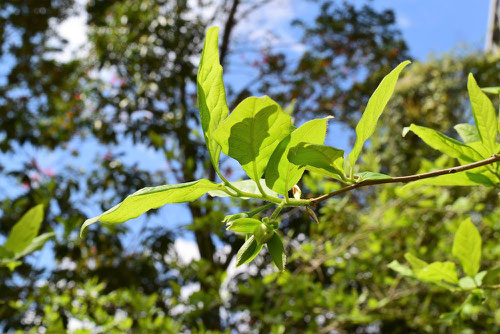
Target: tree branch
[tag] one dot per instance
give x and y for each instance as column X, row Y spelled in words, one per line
column 227, row 32
column 410, row 178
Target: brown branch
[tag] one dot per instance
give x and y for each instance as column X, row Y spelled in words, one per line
column 227, row 31
column 404, row 179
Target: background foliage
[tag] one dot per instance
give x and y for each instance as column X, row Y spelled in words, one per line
column 143, row 56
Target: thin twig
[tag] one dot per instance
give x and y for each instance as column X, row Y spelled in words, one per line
column 404, row 179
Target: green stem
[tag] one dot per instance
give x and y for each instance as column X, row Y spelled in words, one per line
column 277, row 211
column 260, row 209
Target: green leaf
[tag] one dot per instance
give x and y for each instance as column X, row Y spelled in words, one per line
column 211, row 93
column 467, row 283
column 400, row 269
column 449, row 146
column 249, row 186
column 277, row 251
column 252, row 132
column 35, row 245
column 243, row 225
column 5, row 254
column 467, row 132
column 480, row 148
column 248, row 251
column 319, row 158
column 151, row 198
column 374, row 109
column 281, row 175
column 438, row 272
column 491, row 90
column 263, row 233
column 467, row 247
column 484, row 115
column 479, row 277
column 466, row 178
column 25, row 230
column 415, row 263
column 364, row 176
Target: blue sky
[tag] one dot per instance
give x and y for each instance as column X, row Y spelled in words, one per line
column 437, row 26
column 429, row 27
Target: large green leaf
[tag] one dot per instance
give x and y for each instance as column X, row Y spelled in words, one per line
column 374, row 109
column 467, row 132
column 438, row 272
column 249, row 186
column 484, row 115
column 248, row 251
column 252, row 132
column 467, row 247
column 25, row 230
column 449, row 146
column 322, row 159
column 211, row 93
column 281, row 175
column 277, row 251
column 151, row 198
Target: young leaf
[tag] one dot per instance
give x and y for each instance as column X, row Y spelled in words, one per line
column 491, row 90
column 25, row 230
column 449, row 146
column 467, row 283
column 211, row 93
column 263, row 233
column 151, row 198
column 277, row 251
column 479, row 277
column 484, row 115
column 400, row 269
column 248, row 251
column 364, row 176
column 467, row 132
column 319, row 158
column 252, row 132
column 415, row 263
column 35, row 245
column 249, row 186
column 439, row 271
column 374, row 109
column 467, row 247
column 281, row 175
column 243, row 225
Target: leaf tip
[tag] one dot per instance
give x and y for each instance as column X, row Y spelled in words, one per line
column 87, row 223
column 406, row 129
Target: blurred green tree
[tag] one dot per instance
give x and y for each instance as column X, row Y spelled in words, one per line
column 337, row 278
